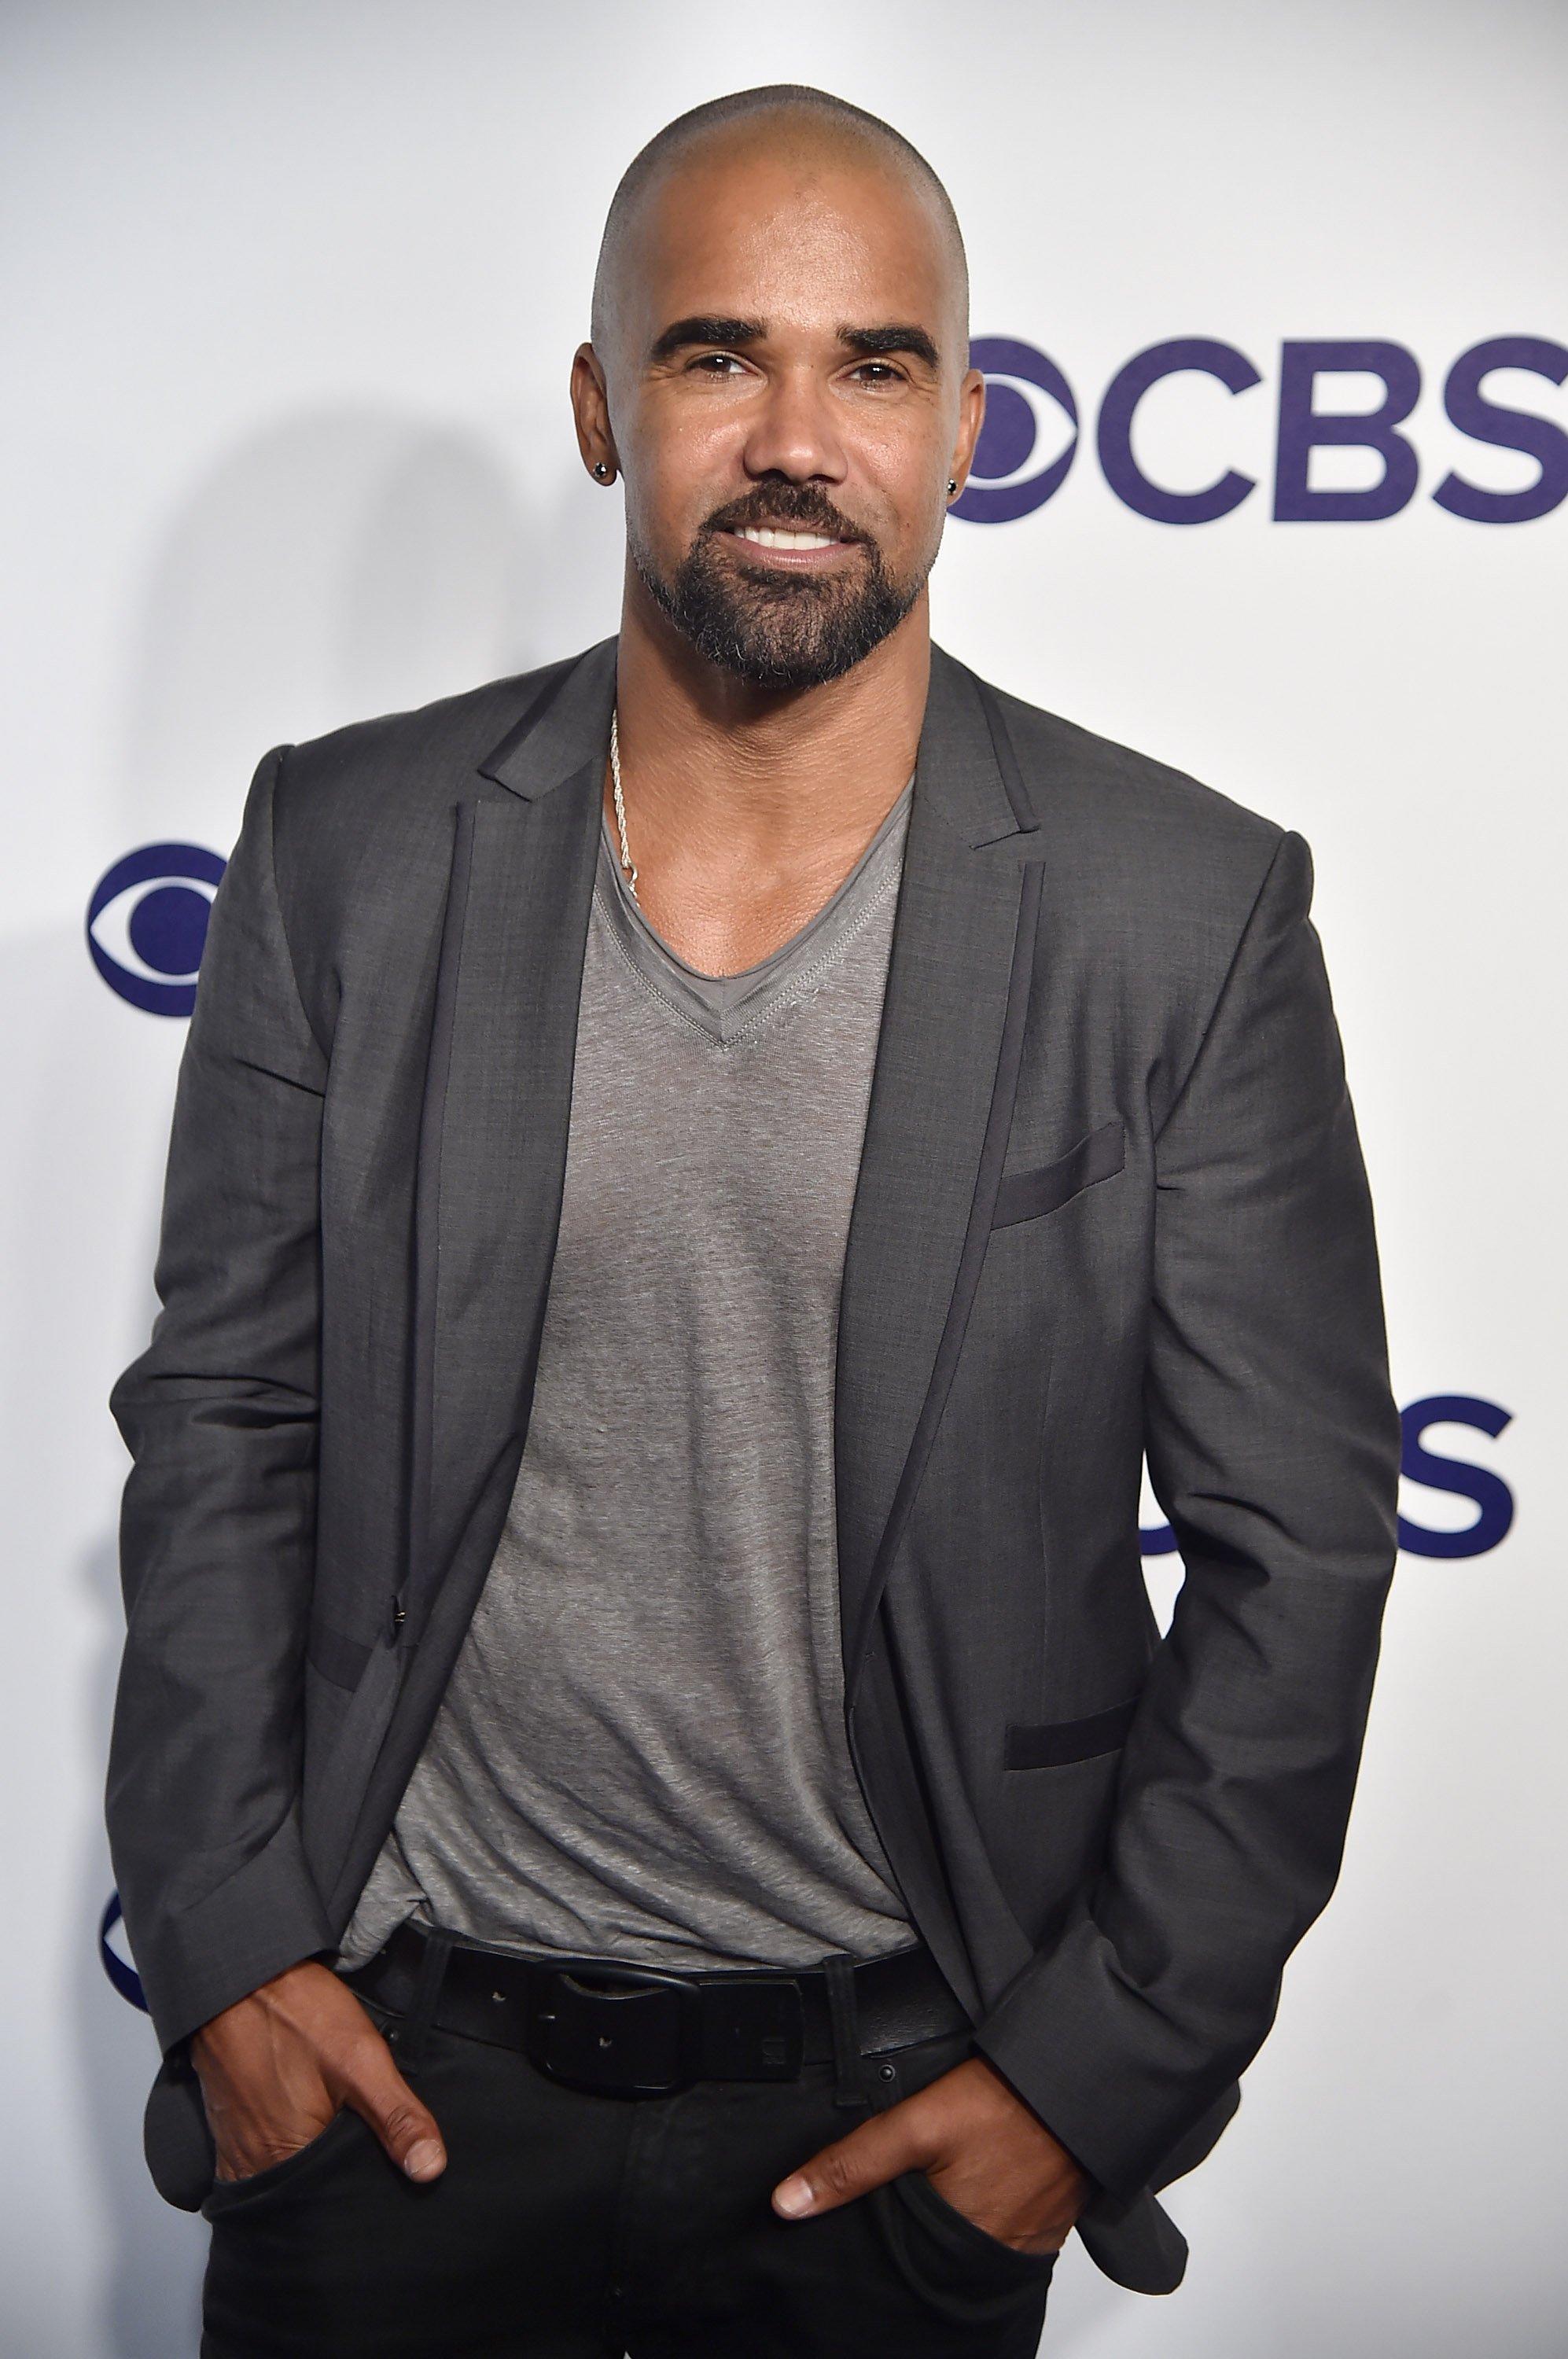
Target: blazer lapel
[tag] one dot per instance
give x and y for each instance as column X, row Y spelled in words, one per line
column 498, row 1104
column 936, row 1131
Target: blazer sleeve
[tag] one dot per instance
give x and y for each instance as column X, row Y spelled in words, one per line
column 217, row 1532
column 1273, row 1446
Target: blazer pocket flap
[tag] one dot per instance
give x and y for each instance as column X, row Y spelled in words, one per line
column 339, row 1659
column 1061, row 1742
column 1025, row 1195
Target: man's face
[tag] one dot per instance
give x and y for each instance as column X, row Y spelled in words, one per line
column 788, row 395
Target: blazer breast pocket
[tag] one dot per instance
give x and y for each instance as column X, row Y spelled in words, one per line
column 1025, row 1195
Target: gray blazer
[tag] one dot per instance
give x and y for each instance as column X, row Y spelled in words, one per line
column 1111, row 1202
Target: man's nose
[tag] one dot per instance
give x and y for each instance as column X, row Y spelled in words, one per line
column 793, row 432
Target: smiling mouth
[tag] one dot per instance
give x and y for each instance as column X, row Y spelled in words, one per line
column 765, row 536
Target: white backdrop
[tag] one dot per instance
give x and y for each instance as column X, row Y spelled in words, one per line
column 291, row 289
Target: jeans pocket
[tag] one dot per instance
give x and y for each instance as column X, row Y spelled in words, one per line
column 228, row 2195
column 958, row 2272
column 959, row 2235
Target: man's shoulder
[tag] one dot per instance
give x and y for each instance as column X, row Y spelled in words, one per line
column 1091, row 789
column 361, row 824
column 422, row 753
column 362, row 820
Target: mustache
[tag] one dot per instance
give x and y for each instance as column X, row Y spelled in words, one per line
column 804, row 507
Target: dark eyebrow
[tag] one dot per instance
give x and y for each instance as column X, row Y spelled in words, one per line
column 874, row 341
column 700, row 330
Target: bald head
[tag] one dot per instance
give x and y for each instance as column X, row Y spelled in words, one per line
column 788, row 123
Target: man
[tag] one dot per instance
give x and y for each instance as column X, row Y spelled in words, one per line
column 650, row 1805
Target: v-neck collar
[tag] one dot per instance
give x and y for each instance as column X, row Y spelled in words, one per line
column 728, row 1007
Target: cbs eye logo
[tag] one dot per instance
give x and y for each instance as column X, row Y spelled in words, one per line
column 115, row 1958
column 147, row 924
column 1028, row 402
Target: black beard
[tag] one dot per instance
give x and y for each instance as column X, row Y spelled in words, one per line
column 772, row 628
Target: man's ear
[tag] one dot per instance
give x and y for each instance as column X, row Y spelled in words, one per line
column 590, row 414
column 971, row 417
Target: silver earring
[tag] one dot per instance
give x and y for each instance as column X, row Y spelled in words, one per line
column 601, row 471
column 952, row 486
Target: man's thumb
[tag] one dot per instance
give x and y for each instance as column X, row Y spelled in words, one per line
column 406, row 2128
column 878, row 2150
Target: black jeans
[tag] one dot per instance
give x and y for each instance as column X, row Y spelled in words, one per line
column 573, row 2226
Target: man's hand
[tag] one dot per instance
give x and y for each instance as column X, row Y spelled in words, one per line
column 280, row 2065
column 980, row 2146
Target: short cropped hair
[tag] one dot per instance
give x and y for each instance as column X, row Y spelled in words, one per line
column 782, row 98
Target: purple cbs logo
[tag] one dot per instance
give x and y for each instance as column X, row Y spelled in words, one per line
column 1029, row 440
column 147, row 924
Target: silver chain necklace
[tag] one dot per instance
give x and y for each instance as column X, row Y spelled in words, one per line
column 627, row 869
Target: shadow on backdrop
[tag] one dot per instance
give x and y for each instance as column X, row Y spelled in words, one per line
column 342, row 564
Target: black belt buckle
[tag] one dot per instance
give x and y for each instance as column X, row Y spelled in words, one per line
column 635, row 2034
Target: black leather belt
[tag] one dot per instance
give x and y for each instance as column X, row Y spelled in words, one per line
column 626, row 2030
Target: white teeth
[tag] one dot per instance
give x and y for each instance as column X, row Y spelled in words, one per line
column 766, row 536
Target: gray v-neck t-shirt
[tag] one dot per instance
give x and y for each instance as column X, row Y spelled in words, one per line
column 641, row 1753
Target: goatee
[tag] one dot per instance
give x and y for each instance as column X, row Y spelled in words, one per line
column 767, row 626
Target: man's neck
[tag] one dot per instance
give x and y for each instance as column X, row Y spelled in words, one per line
column 746, row 807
